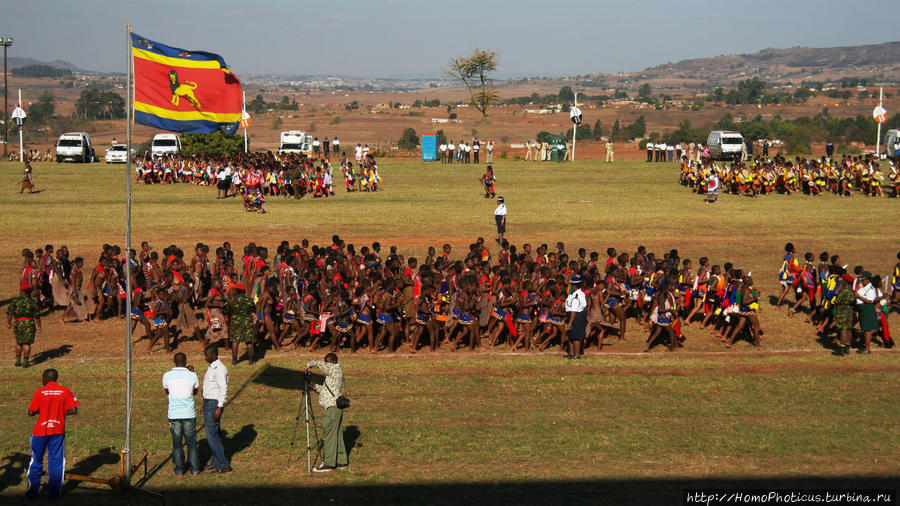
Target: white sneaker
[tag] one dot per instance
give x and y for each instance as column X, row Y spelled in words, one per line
column 323, row 469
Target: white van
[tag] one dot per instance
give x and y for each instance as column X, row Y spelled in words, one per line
column 165, row 144
column 74, row 147
column 295, row 141
column 892, row 143
column 724, row 144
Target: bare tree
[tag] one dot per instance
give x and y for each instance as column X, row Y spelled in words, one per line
column 474, row 71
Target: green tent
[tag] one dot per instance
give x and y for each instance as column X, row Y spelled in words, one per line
column 554, row 141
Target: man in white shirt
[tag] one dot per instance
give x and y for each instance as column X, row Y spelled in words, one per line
column 336, row 146
column 500, row 218
column 181, row 386
column 215, row 389
column 450, row 148
column 359, row 153
column 576, row 309
column 460, row 151
column 649, row 151
column 222, row 184
column 443, row 150
column 490, row 152
column 476, row 147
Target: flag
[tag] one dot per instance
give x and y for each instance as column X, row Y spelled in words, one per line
column 183, row 91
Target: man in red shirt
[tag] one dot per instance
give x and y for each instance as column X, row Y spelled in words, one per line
column 52, row 402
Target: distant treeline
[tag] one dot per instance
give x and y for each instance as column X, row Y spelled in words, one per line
column 40, row 71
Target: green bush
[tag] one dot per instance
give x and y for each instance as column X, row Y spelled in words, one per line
column 409, row 139
column 843, row 149
column 584, row 133
column 214, row 144
column 335, row 121
column 542, row 135
column 504, row 156
column 797, row 144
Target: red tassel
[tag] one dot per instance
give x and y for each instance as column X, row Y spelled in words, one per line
column 510, row 325
column 885, row 329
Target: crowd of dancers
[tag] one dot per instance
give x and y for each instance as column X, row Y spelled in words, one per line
column 844, row 177
column 255, row 176
column 837, row 298
column 345, row 298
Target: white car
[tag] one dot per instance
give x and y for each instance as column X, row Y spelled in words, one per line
column 118, row 153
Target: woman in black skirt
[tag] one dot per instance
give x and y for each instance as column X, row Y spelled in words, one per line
column 576, row 309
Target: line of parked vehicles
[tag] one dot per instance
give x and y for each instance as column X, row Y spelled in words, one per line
column 77, row 147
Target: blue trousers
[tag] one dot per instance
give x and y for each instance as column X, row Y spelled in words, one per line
column 184, row 429
column 213, row 435
column 55, row 447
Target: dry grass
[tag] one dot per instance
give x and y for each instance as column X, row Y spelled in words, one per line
column 434, row 426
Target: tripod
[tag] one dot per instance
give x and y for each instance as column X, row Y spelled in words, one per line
column 308, row 415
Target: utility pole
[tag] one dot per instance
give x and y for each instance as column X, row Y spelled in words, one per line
column 5, row 43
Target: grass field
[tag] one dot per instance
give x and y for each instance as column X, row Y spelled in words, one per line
column 619, row 427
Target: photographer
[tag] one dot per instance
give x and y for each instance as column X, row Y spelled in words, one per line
column 334, row 452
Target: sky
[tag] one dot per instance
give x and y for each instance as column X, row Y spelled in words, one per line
column 407, row 38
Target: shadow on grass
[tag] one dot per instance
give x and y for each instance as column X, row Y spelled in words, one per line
column 351, row 436
column 48, row 355
column 280, row 377
column 618, row 492
column 232, row 443
column 12, row 472
column 89, row 465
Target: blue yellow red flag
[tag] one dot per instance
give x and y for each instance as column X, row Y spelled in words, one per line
column 183, row 91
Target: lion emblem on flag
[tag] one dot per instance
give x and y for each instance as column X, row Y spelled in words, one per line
column 185, row 89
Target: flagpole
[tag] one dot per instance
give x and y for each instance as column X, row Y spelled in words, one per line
column 22, row 126
column 128, row 119
column 243, row 110
column 574, row 130
column 878, row 137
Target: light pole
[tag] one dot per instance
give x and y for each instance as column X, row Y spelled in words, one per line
column 5, row 43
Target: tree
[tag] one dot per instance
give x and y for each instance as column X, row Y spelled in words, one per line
column 726, row 123
column 440, row 138
column 566, row 95
column 584, row 132
column 95, row 104
column 802, row 94
column 644, row 92
column 616, row 131
column 257, row 105
column 409, row 139
column 598, row 131
column 718, row 95
column 542, row 135
column 637, row 129
column 475, row 72
column 42, row 109
column 214, row 144
column 41, row 71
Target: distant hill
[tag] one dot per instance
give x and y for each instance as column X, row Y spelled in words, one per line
column 885, row 54
column 15, row 62
column 873, row 63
